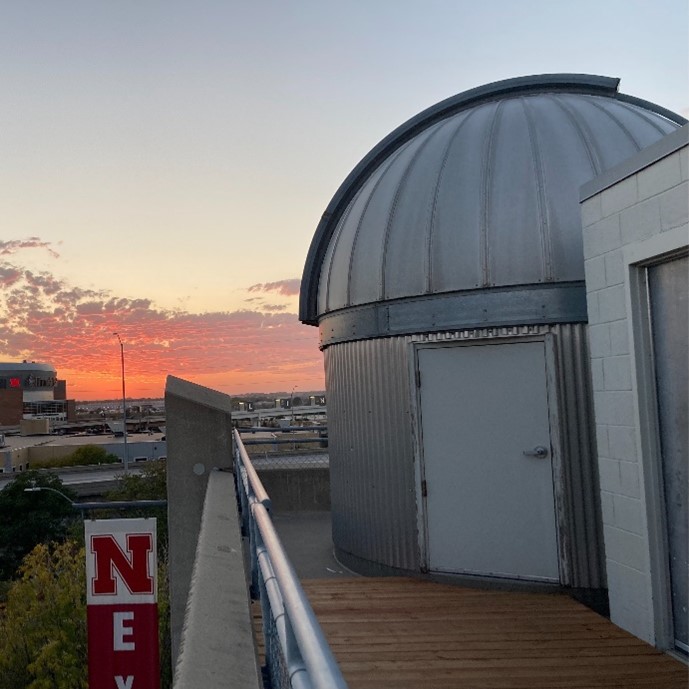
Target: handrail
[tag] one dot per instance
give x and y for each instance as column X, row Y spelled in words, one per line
column 284, row 441
column 256, row 486
column 308, row 660
column 279, row 429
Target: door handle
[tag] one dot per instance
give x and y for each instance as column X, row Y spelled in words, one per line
column 538, row 451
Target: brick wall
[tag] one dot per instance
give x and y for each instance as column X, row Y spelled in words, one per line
column 643, row 213
column 11, row 407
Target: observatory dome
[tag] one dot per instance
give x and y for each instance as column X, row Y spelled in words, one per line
column 478, row 192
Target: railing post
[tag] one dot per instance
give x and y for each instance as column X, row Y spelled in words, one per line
column 255, row 543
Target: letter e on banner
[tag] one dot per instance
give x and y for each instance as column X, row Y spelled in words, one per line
column 122, row 604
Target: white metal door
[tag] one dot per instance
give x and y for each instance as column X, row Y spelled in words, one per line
column 487, row 460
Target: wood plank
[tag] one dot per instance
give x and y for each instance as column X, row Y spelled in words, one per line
column 408, row 633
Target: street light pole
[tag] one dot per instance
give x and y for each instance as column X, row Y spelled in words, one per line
column 111, row 504
column 124, row 407
column 291, row 405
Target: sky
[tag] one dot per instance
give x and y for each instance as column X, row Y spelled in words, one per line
column 164, row 164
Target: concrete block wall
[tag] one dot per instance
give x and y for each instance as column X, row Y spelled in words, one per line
column 636, row 210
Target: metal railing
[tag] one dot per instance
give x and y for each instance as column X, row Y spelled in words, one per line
column 297, row 654
column 291, row 435
column 287, row 447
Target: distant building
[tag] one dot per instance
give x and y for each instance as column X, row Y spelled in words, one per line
column 30, row 390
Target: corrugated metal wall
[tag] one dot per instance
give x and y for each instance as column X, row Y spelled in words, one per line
column 373, row 498
column 371, row 439
column 580, row 489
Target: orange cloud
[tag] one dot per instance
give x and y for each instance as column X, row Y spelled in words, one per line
column 261, row 349
column 287, row 288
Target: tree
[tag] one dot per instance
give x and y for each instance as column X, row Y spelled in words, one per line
column 164, row 631
column 27, row 519
column 150, row 484
column 82, row 456
column 92, row 454
column 43, row 640
column 43, row 628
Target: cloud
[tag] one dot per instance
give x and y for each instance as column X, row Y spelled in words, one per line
column 288, row 288
column 12, row 246
column 48, row 320
column 9, row 275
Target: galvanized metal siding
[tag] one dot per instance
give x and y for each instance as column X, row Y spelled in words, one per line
column 581, row 487
column 373, row 483
column 371, row 457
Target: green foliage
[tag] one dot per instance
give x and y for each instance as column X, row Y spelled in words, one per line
column 43, row 628
column 164, row 633
column 84, row 455
column 27, row 519
column 150, row 484
column 43, row 636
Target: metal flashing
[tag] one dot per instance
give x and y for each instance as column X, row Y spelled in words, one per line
column 499, row 307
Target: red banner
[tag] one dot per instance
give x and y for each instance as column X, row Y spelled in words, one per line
column 120, row 646
column 122, row 609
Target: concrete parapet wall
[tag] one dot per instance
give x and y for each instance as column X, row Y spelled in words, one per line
column 297, row 489
column 199, row 439
column 147, row 450
column 217, row 647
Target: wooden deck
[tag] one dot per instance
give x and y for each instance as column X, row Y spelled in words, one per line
column 410, row 634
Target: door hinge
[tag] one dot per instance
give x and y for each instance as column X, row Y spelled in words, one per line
column 424, row 489
column 418, row 379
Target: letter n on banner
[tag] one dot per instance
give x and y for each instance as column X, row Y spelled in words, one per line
column 122, row 604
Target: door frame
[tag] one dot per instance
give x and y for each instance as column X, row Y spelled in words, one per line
column 637, row 259
column 553, row 393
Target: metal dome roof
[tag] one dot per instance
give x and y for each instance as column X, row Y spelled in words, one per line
column 480, row 191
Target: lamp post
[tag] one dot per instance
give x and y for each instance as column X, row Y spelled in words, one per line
column 124, row 407
column 112, row 504
column 291, row 405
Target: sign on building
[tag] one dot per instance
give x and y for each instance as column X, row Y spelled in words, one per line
column 122, row 604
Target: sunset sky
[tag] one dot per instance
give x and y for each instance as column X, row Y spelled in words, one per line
column 164, row 164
